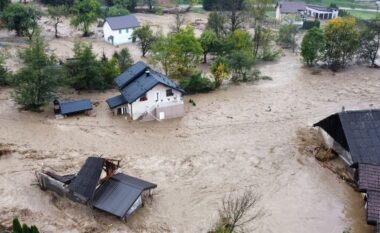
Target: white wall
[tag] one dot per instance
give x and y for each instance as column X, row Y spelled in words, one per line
column 278, row 13
column 313, row 12
column 140, row 107
column 119, row 36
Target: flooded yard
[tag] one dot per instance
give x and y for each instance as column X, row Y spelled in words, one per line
column 241, row 136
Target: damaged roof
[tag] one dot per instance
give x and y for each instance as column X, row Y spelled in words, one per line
column 87, row 179
column 118, row 194
column 358, row 132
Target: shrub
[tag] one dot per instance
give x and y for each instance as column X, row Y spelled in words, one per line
column 197, row 84
column 17, row 228
column 311, row 24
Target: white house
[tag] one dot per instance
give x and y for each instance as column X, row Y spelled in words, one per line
column 302, row 11
column 119, row 30
column 146, row 95
column 321, row 12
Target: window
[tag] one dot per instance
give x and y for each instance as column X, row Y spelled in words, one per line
column 143, row 98
column 120, row 31
column 126, row 30
column 169, row 92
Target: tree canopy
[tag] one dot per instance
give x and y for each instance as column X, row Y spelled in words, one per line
column 145, row 38
column 370, row 41
column 312, row 46
column 85, row 12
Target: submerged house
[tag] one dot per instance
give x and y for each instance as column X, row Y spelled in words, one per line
column 146, row 94
column 355, row 136
column 67, row 108
column 101, row 185
column 119, row 30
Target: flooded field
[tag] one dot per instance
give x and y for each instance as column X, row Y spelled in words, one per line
column 239, row 137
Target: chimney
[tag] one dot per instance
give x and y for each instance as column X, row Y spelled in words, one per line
column 147, row 72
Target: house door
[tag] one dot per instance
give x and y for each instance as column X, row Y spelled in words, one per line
column 157, row 96
column 110, row 39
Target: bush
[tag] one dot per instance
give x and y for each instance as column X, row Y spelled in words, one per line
column 311, row 24
column 197, row 84
column 17, row 228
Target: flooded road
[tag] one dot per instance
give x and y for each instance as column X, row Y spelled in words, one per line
column 241, row 136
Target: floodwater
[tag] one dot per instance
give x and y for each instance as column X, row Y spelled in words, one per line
column 239, row 137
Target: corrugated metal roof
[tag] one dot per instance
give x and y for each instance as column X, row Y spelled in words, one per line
column 118, row 194
column 87, row 179
column 123, row 22
column 369, row 177
column 116, row 101
column 373, row 207
column 356, row 131
column 130, row 74
column 72, row 107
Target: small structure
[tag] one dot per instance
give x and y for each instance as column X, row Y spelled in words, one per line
column 119, row 30
column 101, row 185
column 67, row 108
column 299, row 11
column 146, row 95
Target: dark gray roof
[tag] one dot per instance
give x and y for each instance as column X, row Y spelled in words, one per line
column 292, row 7
column 130, row 74
column 373, row 207
column 87, row 179
column 356, row 131
column 116, row 101
column 72, row 107
column 368, row 177
column 117, row 195
column 321, row 8
column 123, row 22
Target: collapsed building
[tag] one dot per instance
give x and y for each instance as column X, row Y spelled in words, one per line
column 101, row 185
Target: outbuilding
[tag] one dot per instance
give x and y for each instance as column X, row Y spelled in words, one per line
column 66, row 108
column 119, row 30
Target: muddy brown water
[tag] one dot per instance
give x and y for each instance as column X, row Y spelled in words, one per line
column 239, row 137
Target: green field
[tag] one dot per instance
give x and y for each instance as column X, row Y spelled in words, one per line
column 343, row 3
column 362, row 14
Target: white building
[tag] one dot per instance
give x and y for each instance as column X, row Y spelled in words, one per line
column 119, row 30
column 298, row 11
column 146, row 95
column 320, row 12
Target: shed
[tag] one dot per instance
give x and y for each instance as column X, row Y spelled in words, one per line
column 72, row 107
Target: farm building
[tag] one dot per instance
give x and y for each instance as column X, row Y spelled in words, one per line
column 299, row 11
column 66, row 108
column 355, row 136
column 146, row 95
column 100, row 185
column 119, row 30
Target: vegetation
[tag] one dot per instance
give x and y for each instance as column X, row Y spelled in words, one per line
column 57, row 13
column 342, row 40
column 220, row 71
column 311, row 24
column 17, row 228
column 4, row 4
column 86, row 72
column 233, row 215
column 85, row 12
column 21, row 18
column 370, row 41
column 39, row 80
column 210, row 43
column 196, row 84
column 216, row 22
column 312, row 46
column 4, row 74
column 124, row 59
column 146, row 38
column 287, row 36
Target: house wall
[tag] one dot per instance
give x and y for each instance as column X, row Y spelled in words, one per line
column 156, row 97
column 330, row 15
column 278, row 13
column 335, row 146
column 119, row 36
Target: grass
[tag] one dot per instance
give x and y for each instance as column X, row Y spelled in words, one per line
column 362, row 14
column 344, row 3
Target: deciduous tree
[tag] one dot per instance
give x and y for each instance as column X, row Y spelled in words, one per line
column 57, row 13
column 287, row 36
column 85, row 12
column 209, row 42
column 216, row 22
column 220, row 70
column 124, row 59
column 370, row 41
column 312, row 46
column 145, row 38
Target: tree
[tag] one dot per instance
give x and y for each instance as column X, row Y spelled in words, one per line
column 3, row 72
column 124, row 59
column 370, row 41
column 241, row 63
column 115, row 10
column 220, row 70
column 233, row 214
column 21, row 18
column 4, row 4
column 342, row 40
column 233, row 12
column 196, row 83
column 209, row 42
column 163, row 52
column 85, row 13
column 312, row 46
column 39, row 80
column 179, row 20
column 150, row 4
column 57, row 13
column 216, row 22
column 145, row 38
column 17, row 228
column 109, row 70
column 209, row 5
column 286, row 36
column 238, row 40
column 257, row 10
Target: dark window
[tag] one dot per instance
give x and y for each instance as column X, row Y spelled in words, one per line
column 169, row 92
column 143, row 98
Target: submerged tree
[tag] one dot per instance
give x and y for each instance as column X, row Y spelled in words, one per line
column 85, row 12
column 39, row 80
column 370, row 41
column 57, row 13
column 312, row 46
column 145, row 38
column 210, row 43
column 216, row 22
column 124, row 59
column 287, row 36
column 220, row 70
column 3, row 72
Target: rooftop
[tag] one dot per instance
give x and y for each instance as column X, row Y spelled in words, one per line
column 292, row 7
column 123, row 22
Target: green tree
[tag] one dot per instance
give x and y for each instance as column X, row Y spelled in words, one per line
column 145, row 38
column 3, row 72
column 57, row 13
column 209, row 42
column 239, row 40
column 17, row 228
column 287, row 36
column 216, row 22
column 220, row 70
column 38, row 81
column 370, row 41
column 4, row 4
column 109, row 70
column 342, row 40
column 124, row 59
column 85, row 12
column 112, row 11
column 233, row 11
column 163, row 52
column 312, row 46
column 241, row 63
column 196, row 83
column 21, row 18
